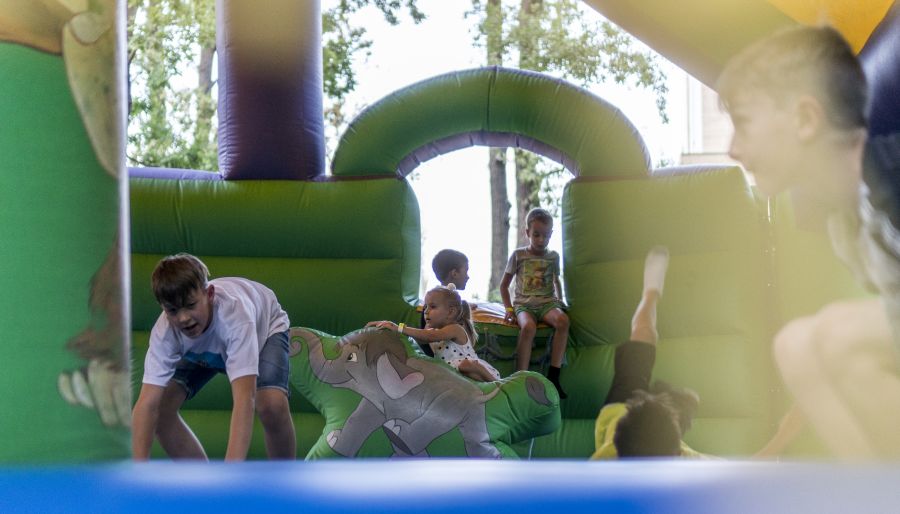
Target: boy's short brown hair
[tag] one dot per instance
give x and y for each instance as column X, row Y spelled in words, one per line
column 538, row 214
column 176, row 277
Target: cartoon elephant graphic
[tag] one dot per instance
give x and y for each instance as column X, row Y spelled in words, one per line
column 413, row 400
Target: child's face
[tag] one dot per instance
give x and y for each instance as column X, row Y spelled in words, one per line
column 459, row 276
column 538, row 234
column 765, row 141
column 192, row 318
column 438, row 313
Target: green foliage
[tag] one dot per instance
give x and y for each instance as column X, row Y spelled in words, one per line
column 342, row 42
column 171, row 122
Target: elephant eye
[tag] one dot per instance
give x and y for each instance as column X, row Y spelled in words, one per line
column 351, row 357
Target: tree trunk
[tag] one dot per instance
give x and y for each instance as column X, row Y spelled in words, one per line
column 205, row 106
column 131, row 14
column 499, row 218
column 526, row 188
column 526, row 192
column 497, row 161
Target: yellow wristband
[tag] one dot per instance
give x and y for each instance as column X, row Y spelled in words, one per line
column 400, row 327
column 510, row 309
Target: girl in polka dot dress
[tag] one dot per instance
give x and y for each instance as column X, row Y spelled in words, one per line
column 450, row 332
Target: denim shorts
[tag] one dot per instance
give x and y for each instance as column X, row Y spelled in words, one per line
column 274, row 368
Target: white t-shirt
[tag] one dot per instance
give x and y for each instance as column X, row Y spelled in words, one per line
column 245, row 314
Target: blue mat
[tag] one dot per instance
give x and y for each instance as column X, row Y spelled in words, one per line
column 453, row 486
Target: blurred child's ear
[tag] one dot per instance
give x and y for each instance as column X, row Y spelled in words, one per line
column 809, row 117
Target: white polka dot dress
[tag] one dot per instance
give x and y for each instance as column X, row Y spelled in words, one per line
column 454, row 353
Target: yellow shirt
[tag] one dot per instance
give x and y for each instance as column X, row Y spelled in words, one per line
column 605, row 431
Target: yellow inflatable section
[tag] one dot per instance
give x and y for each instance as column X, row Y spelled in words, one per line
column 854, row 18
column 701, row 35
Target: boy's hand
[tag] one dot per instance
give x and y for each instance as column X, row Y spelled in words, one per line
column 510, row 316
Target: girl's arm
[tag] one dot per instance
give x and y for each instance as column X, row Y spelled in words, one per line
column 452, row 332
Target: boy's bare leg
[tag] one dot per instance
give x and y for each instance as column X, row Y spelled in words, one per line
column 558, row 319
column 174, row 435
column 278, row 425
column 841, row 368
column 527, row 329
column 475, row 371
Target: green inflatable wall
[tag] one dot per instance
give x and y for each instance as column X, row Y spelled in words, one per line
column 64, row 350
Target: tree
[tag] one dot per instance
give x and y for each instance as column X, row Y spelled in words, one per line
column 550, row 36
column 342, row 42
column 171, row 122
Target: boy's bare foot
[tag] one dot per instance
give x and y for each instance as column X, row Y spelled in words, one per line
column 655, row 267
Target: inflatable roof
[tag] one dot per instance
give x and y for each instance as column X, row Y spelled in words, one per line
column 700, row 35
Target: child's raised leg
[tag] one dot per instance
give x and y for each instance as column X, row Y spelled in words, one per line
column 527, row 329
column 643, row 323
column 634, row 359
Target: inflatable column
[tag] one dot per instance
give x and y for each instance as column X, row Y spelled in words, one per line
column 270, row 89
column 64, row 303
column 881, row 63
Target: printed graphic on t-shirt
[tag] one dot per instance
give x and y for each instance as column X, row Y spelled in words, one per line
column 537, row 277
column 206, row 359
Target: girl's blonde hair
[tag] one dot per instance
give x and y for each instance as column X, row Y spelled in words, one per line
column 463, row 311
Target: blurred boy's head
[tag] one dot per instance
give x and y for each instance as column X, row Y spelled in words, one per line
column 451, row 267
column 788, row 94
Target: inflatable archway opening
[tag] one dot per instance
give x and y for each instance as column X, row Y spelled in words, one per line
column 491, row 106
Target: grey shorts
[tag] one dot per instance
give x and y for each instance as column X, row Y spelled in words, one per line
column 274, row 368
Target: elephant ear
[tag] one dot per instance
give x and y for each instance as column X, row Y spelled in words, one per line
column 525, row 406
column 389, row 377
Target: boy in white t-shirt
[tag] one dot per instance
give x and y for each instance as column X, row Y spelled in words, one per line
column 227, row 325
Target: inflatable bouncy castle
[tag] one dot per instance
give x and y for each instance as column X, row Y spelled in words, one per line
column 81, row 235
